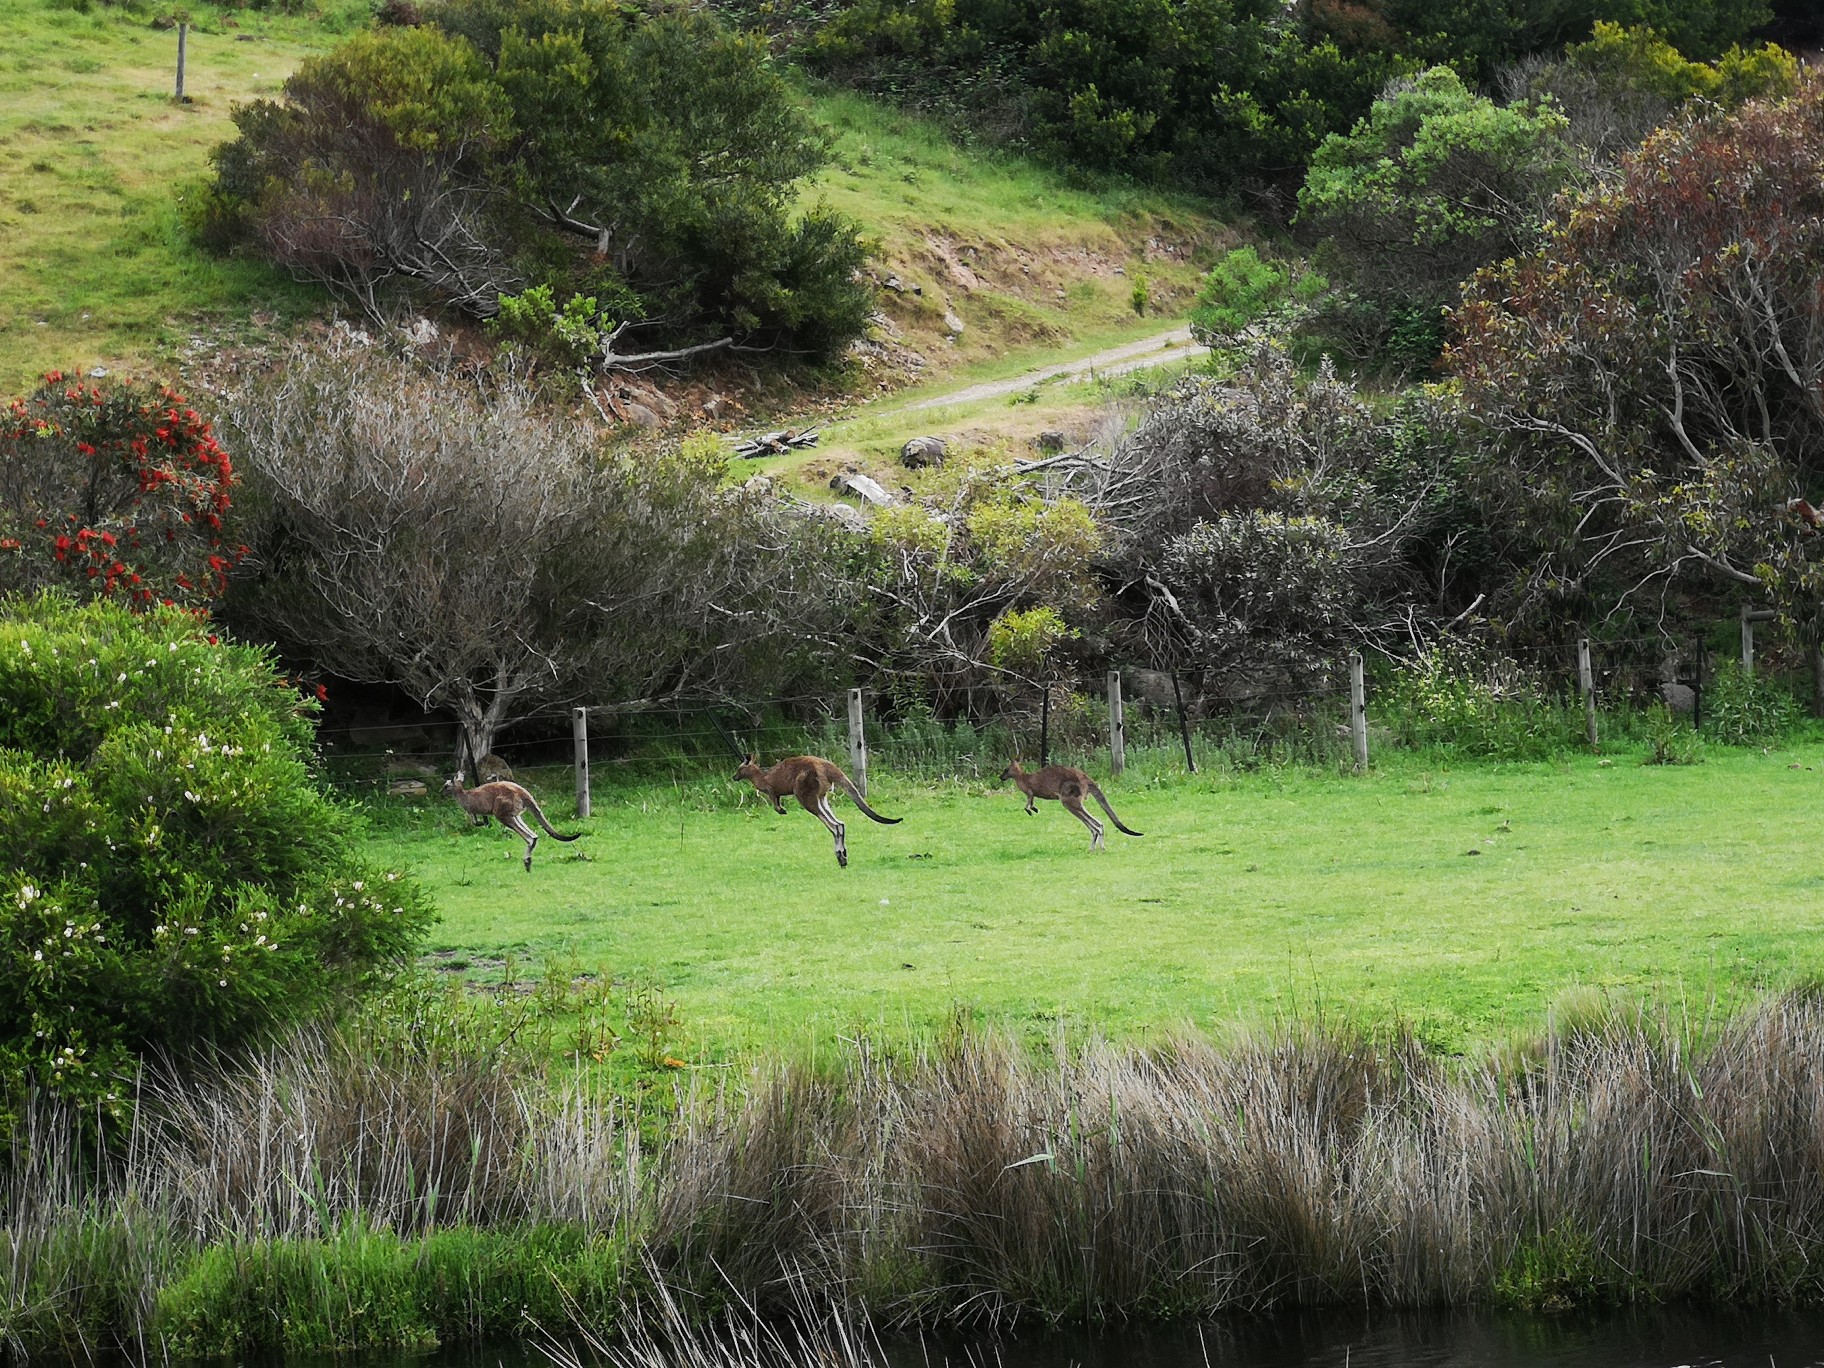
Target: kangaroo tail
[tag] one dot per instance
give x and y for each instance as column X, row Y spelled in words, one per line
column 1097, row 792
column 557, row 835
column 854, row 793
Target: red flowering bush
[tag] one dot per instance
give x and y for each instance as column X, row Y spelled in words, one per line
column 113, row 490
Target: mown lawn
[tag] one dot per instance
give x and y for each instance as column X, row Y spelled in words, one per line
column 1463, row 899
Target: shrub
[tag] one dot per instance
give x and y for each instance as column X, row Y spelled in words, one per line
column 1448, row 702
column 1434, row 183
column 117, row 490
column 651, row 163
column 1742, row 709
column 171, row 874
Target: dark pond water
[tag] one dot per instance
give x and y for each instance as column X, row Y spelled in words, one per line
column 1660, row 1338
column 1657, row 1338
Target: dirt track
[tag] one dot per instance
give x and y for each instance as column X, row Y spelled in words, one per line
column 1148, row 351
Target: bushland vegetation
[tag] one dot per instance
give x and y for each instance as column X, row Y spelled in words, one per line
column 444, row 533
column 642, row 170
column 1207, row 95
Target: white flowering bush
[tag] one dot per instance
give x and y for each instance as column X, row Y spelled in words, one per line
column 170, row 873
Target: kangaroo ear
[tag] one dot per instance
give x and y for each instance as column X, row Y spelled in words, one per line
column 752, row 759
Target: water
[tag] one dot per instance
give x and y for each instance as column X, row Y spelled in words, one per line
column 1650, row 1338
column 1656, row 1338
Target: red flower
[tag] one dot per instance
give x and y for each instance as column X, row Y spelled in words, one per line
column 322, row 693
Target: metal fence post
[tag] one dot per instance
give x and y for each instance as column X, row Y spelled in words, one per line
column 858, row 744
column 1117, row 726
column 579, row 741
column 1586, row 686
column 1358, row 711
column 1184, row 725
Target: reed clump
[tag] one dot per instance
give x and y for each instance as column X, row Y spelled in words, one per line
column 1620, row 1156
column 345, row 1191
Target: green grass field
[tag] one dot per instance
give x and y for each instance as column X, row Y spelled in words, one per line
column 1463, row 900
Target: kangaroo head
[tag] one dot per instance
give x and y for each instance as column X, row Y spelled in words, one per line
column 750, row 768
column 1013, row 770
column 453, row 785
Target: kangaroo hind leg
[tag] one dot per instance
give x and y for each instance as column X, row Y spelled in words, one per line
column 529, row 836
column 817, row 803
column 1075, row 804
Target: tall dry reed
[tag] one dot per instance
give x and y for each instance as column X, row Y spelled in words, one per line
column 1611, row 1159
column 1620, row 1155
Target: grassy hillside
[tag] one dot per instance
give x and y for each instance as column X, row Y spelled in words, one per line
column 95, row 157
column 1465, row 900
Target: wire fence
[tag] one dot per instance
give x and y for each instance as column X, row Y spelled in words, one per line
column 1606, row 691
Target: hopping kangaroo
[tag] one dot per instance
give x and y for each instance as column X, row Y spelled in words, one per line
column 811, row 779
column 1069, row 786
column 507, row 801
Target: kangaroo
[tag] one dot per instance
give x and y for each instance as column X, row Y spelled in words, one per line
column 811, row 779
column 509, row 802
column 1069, row 786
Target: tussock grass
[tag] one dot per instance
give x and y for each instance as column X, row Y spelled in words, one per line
column 1618, row 1157
column 1621, row 1155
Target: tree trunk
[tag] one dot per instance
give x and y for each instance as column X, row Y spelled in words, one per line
column 1817, row 677
column 480, row 725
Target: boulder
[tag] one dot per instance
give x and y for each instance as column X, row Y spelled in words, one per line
column 864, row 487
column 408, row 788
column 923, row 451
column 952, row 324
column 491, row 767
column 1050, row 442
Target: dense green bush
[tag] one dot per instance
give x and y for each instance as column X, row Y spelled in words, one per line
column 1204, row 93
column 170, row 874
column 1742, row 709
column 1435, row 182
column 652, row 163
column 1452, row 703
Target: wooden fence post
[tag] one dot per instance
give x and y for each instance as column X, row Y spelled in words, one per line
column 1358, row 711
column 183, row 35
column 1586, row 689
column 1117, row 726
column 579, row 742
column 858, row 744
column 1747, row 643
column 1044, row 726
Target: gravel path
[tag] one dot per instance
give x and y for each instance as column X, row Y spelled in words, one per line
column 1149, row 351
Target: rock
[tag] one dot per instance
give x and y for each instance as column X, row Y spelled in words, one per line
column 1050, row 442
column 641, row 416
column 953, row 324
column 868, row 490
column 409, row 765
column 422, row 333
column 894, row 283
column 717, row 407
column 491, row 767
column 849, row 516
column 1680, row 698
column 921, row 452
column 408, row 788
